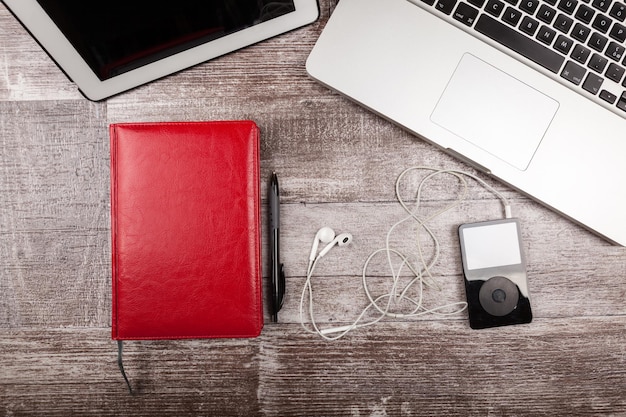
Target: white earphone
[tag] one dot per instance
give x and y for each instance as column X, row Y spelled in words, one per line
column 327, row 235
column 341, row 240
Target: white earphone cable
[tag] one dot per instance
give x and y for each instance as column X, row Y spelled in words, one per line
column 422, row 275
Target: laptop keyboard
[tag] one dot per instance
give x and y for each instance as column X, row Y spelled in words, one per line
column 582, row 42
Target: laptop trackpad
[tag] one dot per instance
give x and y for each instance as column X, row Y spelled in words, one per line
column 494, row 111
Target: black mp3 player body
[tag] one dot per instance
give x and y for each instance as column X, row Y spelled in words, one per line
column 495, row 274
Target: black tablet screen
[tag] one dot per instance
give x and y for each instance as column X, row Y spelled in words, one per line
column 116, row 36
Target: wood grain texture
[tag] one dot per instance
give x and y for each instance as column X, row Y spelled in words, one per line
column 337, row 165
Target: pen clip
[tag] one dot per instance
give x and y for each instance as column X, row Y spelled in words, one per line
column 281, row 288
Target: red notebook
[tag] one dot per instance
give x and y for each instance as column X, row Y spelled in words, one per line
column 185, row 220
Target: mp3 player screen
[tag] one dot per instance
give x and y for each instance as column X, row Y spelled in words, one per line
column 492, row 246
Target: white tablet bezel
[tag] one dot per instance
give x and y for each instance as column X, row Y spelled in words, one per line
column 50, row 37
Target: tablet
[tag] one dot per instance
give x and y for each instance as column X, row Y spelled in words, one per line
column 107, row 47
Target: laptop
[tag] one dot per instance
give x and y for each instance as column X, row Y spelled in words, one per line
column 110, row 47
column 531, row 92
column 542, row 110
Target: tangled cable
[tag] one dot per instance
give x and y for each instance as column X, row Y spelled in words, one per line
column 421, row 274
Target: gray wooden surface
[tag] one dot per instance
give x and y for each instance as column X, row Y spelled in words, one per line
column 337, row 165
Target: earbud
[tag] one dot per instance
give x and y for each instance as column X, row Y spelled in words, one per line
column 325, row 235
column 341, row 240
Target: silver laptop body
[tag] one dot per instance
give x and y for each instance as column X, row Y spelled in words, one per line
column 542, row 127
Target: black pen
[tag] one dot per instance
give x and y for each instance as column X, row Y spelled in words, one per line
column 277, row 276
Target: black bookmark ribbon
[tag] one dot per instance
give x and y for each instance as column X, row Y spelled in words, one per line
column 120, row 348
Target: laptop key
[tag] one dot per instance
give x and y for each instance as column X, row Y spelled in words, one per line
column 529, row 6
column 546, row 14
column 465, row 13
column 546, row 35
column 568, row 6
column 581, row 54
column 601, row 4
column 615, row 72
column 511, row 16
column 563, row 44
column 529, row 25
column 580, row 32
column 573, row 72
column 618, row 32
column 597, row 42
column 618, row 11
column 519, row 43
column 563, row 23
column 445, row 6
column 598, row 63
column 608, row 96
column 601, row 23
column 585, row 13
column 615, row 51
column 593, row 83
column 494, row 7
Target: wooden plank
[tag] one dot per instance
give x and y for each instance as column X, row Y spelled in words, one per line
column 74, row 371
column 55, row 254
column 556, row 366
column 438, row 368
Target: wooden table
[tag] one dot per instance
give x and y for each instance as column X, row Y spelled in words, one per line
column 337, row 164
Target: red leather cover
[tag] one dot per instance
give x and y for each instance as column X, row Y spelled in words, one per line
column 185, row 221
